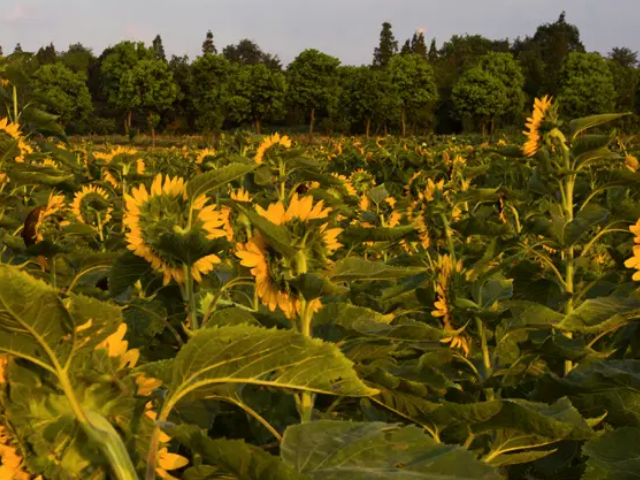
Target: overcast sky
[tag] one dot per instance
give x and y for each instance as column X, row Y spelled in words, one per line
column 347, row 29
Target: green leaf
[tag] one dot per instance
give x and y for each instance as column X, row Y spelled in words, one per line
column 245, row 354
column 614, row 456
column 334, row 450
column 359, row 234
column 126, row 271
column 353, row 269
column 206, row 182
column 230, row 316
column 276, row 236
column 591, row 216
column 235, row 457
column 601, row 314
column 313, row 286
column 378, row 194
column 581, row 124
column 38, row 175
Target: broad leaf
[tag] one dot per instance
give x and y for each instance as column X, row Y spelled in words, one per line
column 614, row 456
column 601, row 314
column 359, row 234
column 246, row 354
column 126, row 271
column 277, row 236
column 334, row 450
column 206, row 182
column 353, row 269
column 581, row 124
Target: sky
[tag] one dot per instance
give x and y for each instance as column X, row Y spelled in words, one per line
column 347, row 29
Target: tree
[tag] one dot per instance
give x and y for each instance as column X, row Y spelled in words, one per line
column 479, row 94
column 419, row 45
column 65, row 92
column 415, row 83
column 406, row 48
column 183, row 106
column 388, row 47
column 312, row 83
column 209, row 81
column 625, row 57
column 158, row 49
column 77, row 58
column 47, row 55
column 120, row 60
column 586, row 85
column 247, row 52
column 149, row 86
column 369, row 97
column 0, row 50
column 18, row 48
column 208, row 47
column 257, row 94
column 504, row 68
column 625, row 83
column 433, row 51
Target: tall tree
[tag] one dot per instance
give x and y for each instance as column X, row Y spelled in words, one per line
column 64, row 92
column 433, row 51
column 586, row 85
column 406, row 48
column 149, row 86
column 247, row 52
column 208, row 46
column 312, row 83
column 504, row 68
column 257, row 94
column 77, row 58
column 182, row 108
column 120, row 61
column 209, row 88
column 47, row 55
column 388, row 47
column 158, row 49
column 419, row 45
column 0, row 50
column 416, row 86
column 479, row 95
column 18, row 48
column 625, row 57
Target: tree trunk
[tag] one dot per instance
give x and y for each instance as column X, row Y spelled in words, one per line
column 483, row 129
column 129, row 118
column 368, row 127
column 491, row 130
column 404, row 125
column 386, row 132
column 258, row 126
column 153, row 131
column 311, row 122
column 126, row 126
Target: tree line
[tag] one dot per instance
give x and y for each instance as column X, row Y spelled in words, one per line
column 469, row 83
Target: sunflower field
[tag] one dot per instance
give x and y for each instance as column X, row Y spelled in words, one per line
column 351, row 308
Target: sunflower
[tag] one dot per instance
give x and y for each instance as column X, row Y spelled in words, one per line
column 634, row 262
column 11, row 463
column 48, row 217
column 362, row 181
column 207, row 152
column 442, row 304
column 165, row 209
column 270, row 269
column 86, row 206
column 111, row 171
column 166, row 461
column 270, row 142
column 540, row 109
column 346, row 183
column 13, row 130
column 117, row 347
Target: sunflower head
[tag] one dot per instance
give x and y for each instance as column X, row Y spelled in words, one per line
column 165, row 212
column 308, row 227
column 119, row 162
column 267, row 146
column 11, row 132
column 542, row 120
column 204, row 154
column 46, row 221
column 91, row 205
column 362, row 181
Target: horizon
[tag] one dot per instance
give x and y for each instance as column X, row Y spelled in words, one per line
column 296, row 27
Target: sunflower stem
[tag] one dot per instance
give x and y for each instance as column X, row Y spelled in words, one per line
column 486, row 357
column 190, row 299
column 307, row 400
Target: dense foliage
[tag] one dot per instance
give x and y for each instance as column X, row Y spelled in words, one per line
column 350, row 308
column 317, row 91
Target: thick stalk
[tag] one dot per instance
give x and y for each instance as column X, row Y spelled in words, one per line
column 486, row 357
column 569, row 255
column 190, row 298
column 449, row 234
column 307, row 400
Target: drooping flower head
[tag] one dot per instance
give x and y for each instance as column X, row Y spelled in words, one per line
column 166, row 209
column 268, row 143
column 12, row 130
column 310, row 235
column 541, row 107
column 362, row 181
column 91, row 205
column 46, row 221
column 119, row 162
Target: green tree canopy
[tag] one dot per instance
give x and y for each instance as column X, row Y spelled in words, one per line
column 257, row 94
column 312, row 82
column 208, row 46
column 415, row 83
column 149, row 86
column 503, row 67
column 65, row 92
column 247, row 52
column 77, row 58
column 47, row 55
column 158, row 49
column 586, row 85
column 388, row 47
column 480, row 95
column 209, row 81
